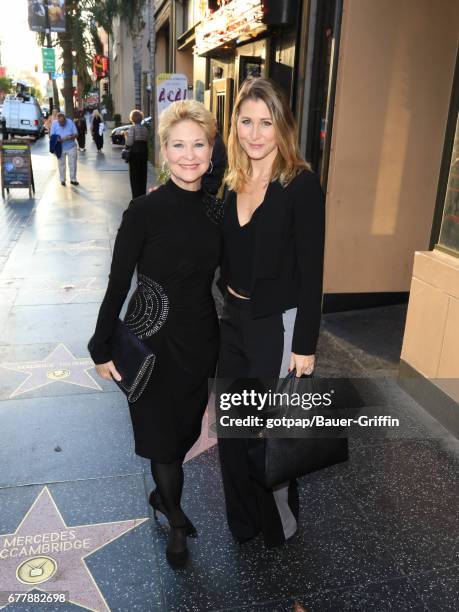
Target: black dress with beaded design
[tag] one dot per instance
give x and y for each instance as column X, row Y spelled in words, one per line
column 175, row 245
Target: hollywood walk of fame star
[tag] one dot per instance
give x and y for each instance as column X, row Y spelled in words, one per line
column 73, row 248
column 205, row 441
column 59, row 365
column 46, row 554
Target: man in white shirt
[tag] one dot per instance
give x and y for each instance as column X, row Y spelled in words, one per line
column 66, row 131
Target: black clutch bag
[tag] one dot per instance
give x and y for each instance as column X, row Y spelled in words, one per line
column 276, row 460
column 133, row 360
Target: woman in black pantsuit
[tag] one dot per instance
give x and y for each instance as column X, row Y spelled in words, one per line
column 97, row 136
column 137, row 142
column 82, row 129
column 271, row 277
column 168, row 235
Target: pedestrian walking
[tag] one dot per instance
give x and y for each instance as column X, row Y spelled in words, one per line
column 271, row 278
column 97, row 127
column 65, row 131
column 50, row 120
column 175, row 246
column 3, row 131
column 82, row 129
column 137, row 143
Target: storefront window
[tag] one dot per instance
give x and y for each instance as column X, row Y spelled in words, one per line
column 449, row 232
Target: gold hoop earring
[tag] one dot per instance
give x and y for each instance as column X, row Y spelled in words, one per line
column 165, row 167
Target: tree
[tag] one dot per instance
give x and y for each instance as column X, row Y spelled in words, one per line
column 131, row 13
column 81, row 40
column 6, row 85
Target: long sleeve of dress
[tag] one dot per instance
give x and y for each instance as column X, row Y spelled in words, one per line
column 126, row 252
column 309, row 228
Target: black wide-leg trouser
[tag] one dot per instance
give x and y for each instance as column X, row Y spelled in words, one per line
column 253, row 348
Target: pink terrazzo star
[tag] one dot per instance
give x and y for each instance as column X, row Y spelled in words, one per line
column 42, row 540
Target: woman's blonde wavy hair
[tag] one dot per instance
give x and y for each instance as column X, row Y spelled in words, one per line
column 184, row 110
column 288, row 162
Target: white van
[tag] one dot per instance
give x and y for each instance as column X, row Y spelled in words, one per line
column 23, row 116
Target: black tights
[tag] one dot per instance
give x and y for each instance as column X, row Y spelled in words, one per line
column 169, row 480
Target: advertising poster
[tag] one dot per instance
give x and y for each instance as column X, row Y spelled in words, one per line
column 56, row 15
column 170, row 88
column 15, row 165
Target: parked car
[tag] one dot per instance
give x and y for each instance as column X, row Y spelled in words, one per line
column 117, row 135
column 23, row 116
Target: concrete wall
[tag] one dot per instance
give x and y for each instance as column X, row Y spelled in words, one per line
column 184, row 64
column 122, row 78
column 161, row 48
column 396, row 64
column 434, row 309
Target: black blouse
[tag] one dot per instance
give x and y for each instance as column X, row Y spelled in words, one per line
column 288, row 256
column 239, row 243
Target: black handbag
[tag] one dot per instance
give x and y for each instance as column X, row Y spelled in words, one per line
column 126, row 154
column 133, row 360
column 275, row 460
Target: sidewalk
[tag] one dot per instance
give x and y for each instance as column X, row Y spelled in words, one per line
column 377, row 533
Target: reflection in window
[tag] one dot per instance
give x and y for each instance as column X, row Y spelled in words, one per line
column 449, row 232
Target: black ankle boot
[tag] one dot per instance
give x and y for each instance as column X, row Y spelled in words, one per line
column 156, row 503
column 176, row 550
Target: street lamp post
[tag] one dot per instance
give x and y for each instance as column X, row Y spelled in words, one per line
column 49, row 46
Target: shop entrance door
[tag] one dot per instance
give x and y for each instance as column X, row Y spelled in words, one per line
column 321, row 79
column 221, row 103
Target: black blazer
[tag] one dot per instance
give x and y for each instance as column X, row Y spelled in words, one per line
column 288, row 256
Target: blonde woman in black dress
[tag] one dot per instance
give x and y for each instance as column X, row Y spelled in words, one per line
column 175, row 246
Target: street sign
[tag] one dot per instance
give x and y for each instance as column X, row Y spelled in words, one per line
column 61, row 75
column 49, row 59
column 92, row 97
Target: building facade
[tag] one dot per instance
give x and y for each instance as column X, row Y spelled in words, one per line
column 374, row 91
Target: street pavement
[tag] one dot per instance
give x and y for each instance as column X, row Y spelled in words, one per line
column 379, row 532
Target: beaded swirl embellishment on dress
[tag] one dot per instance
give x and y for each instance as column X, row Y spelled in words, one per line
column 149, row 309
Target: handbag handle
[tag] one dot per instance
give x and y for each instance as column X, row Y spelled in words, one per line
column 290, row 381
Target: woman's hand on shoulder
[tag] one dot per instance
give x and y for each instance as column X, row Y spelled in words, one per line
column 108, row 371
column 303, row 364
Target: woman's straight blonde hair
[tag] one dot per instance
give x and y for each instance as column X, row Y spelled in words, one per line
column 288, row 162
